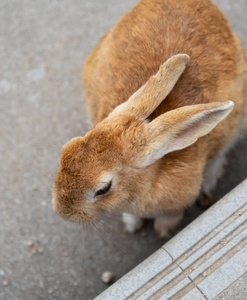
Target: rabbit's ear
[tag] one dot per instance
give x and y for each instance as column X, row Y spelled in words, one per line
column 178, row 129
column 145, row 100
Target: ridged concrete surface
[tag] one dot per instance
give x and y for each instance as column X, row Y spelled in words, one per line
column 201, row 262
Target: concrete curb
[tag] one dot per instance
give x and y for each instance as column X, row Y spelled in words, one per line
column 200, row 262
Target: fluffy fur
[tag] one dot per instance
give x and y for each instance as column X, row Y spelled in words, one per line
column 147, row 148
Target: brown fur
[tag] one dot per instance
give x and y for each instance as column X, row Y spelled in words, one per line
column 126, row 57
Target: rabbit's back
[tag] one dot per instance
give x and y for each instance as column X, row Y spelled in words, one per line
column 148, row 35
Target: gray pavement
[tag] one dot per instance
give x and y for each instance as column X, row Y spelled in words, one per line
column 42, row 47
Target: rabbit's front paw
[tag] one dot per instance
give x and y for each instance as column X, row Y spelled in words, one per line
column 131, row 222
column 167, row 223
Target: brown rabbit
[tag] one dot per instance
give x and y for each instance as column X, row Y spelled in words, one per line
column 155, row 144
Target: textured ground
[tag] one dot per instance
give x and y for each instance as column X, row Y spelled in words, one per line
column 42, row 47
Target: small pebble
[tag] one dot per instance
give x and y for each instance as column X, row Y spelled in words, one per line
column 36, row 249
column 29, row 243
column 40, row 250
column 205, row 274
column 5, row 282
column 36, row 188
column 223, row 242
column 240, row 212
column 107, row 276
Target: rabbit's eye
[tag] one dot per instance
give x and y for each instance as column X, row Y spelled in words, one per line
column 104, row 190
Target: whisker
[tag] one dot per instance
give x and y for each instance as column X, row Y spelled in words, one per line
column 108, row 227
column 108, row 241
column 83, row 258
column 115, row 215
column 117, row 249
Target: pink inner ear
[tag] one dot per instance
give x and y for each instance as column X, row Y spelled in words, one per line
column 180, row 128
column 193, row 128
column 202, row 124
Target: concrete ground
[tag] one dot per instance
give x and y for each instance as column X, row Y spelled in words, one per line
column 42, row 47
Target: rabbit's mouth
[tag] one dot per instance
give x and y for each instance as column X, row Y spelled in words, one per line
column 80, row 217
column 76, row 216
column 72, row 212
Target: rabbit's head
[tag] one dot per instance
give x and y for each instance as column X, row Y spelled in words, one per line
column 99, row 172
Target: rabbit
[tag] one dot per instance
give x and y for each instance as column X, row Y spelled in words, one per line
column 160, row 88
